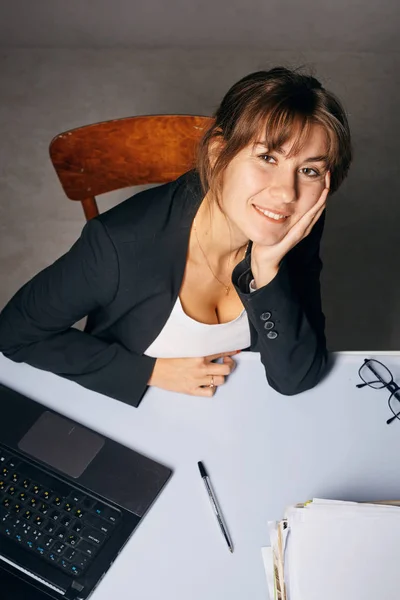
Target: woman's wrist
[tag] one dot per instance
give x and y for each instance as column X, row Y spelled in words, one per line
column 264, row 276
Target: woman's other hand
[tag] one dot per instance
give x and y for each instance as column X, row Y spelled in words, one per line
column 194, row 376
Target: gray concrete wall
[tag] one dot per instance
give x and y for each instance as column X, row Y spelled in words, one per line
column 318, row 25
column 46, row 91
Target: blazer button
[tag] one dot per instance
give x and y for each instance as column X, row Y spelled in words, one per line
column 265, row 316
column 272, row 335
column 269, row 325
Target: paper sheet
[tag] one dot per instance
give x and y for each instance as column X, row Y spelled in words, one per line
column 346, row 551
column 266, row 554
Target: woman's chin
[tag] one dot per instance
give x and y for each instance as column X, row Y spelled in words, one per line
column 266, row 239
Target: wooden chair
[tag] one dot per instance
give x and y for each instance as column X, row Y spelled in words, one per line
column 112, row 155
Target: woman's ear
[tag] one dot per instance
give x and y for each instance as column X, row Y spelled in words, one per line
column 215, row 148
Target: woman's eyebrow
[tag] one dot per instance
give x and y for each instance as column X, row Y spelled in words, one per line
column 320, row 158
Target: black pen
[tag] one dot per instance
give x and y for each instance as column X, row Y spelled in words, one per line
column 214, row 504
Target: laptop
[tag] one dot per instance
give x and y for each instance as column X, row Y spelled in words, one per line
column 69, row 501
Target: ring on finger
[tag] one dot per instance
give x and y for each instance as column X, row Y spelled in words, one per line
column 212, row 382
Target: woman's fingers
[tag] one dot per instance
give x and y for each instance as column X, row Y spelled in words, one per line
column 229, row 361
column 224, row 368
column 207, row 392
column 215, row 380
column 192, row 376
column 328, row 180
column 214, row 374
column 316, row 217
column 220, row 355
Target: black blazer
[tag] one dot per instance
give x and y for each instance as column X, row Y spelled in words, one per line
column 125, row 273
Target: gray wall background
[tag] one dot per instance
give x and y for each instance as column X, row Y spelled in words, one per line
column 62, row 66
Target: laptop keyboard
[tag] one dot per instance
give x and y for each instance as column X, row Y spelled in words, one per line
column 65, row 529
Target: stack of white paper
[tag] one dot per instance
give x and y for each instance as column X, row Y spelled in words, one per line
column 330, row 550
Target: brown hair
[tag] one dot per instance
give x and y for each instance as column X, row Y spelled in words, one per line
column 281, row 101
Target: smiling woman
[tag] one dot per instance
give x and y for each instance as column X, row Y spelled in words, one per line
column 225, row 258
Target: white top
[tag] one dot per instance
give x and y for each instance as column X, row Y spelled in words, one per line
column 182, row 336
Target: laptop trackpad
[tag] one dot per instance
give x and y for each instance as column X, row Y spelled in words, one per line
column 61, row 443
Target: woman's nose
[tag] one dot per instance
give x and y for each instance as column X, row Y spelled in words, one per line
column 283, row 192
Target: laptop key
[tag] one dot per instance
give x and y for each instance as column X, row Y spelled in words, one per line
column 64, row 563
column 111, row 515
column 72, row 540
column 52, row 556
column 58, row 548
column 76, row 497
column 48, row 541
column 40, row 549
column 4, row 456
column 77, row 526
column 69, row 553
column 97, row 523
column 87, row 548
column 66, row 521
column 75, row 570
column 26, row 528
column 80, row 560
column 93, row 535
column 33, row 502
column 61, row 532
column 88, row 502
column 99, row 509
column 38, row 520
column 43, row 508
column 36, row 535
column 4, row 513
column 50, row 526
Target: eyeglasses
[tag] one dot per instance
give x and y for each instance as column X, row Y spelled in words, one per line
column 376, row 375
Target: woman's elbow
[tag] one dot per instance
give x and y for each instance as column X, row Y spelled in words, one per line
column 297, row 382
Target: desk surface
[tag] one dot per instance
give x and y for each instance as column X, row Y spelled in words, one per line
column 263, row 451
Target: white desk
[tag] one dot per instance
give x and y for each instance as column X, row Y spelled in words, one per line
column 263, row 451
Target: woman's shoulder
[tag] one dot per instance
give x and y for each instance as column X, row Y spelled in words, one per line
column 152, row 211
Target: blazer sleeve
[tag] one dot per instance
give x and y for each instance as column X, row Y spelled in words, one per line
column 36, row 325
column 286, row 318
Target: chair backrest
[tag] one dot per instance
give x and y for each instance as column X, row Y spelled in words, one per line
column 112, row 155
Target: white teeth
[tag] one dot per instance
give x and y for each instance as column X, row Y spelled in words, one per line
column 271, row 214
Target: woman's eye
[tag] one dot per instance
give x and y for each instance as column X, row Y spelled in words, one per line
column 266, row 157
column 308, row 171
column 315, row 173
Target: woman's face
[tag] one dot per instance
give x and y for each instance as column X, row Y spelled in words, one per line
column 264, row 194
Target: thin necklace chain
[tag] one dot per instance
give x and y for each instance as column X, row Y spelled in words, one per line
column 227, row 287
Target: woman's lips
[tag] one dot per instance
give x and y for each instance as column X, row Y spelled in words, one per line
column 279, row 217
